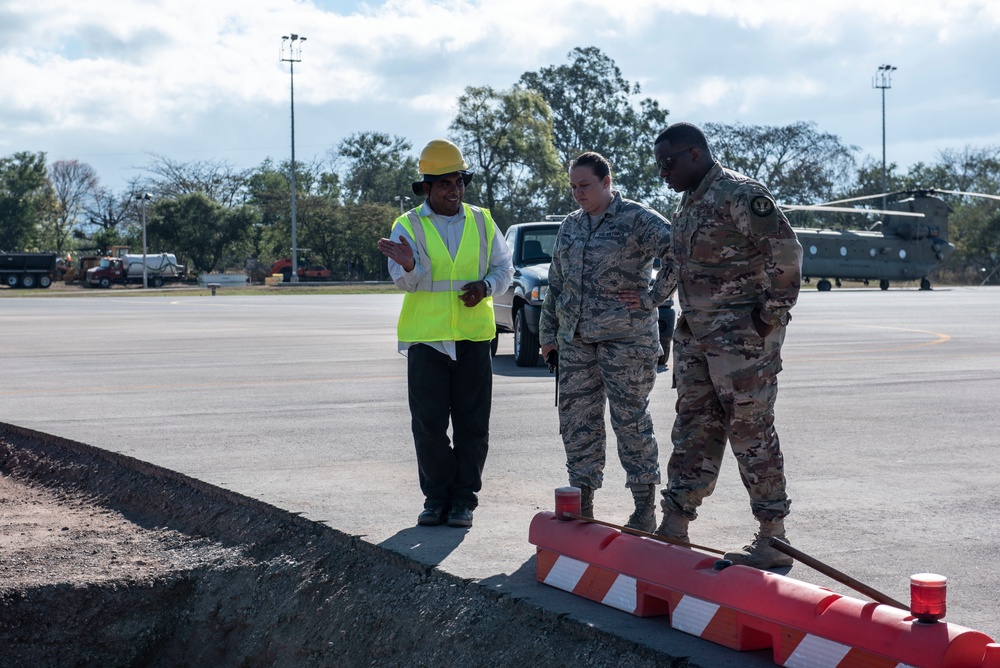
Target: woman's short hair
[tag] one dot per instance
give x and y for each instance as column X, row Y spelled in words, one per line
column 595, row 161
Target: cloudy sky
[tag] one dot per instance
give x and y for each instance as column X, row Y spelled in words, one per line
column 112, row 82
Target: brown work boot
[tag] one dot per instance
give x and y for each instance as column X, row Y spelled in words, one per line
column 644, row 517
column 586, row 500
column 759, row 553
column 674, row 525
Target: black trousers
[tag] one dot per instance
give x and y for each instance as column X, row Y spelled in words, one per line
column 460, row 391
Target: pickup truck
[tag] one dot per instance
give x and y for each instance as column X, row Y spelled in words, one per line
column 518, row 309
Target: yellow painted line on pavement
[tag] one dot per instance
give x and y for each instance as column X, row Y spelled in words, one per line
column 856, row 351
column 940, row 337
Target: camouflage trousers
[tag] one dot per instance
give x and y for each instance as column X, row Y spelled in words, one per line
column 726, row 388
column 620, row 372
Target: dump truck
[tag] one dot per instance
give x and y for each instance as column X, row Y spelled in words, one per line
column 160, row 268
column 27, row 270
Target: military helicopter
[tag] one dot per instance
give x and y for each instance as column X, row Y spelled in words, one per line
column 909, row 241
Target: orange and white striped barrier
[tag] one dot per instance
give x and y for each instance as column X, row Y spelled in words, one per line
column 744, row 608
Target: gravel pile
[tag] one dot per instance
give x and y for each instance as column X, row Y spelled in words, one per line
column 106, row 560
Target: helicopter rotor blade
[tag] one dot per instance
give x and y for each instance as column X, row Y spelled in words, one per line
column 960, row 192
column 836, row 209
column 857, row 199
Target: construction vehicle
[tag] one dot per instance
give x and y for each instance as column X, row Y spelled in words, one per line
column 159, row 269
column 307, row 271
column 27, row 270
column 76, row 270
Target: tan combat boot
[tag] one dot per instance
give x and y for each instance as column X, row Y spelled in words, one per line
column 759, row 553
column 674, row 525
column 644, row 517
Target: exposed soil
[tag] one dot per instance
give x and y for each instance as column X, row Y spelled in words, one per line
column 109, row 561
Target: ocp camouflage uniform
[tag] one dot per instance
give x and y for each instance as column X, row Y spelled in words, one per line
column 733, row 251
column 606, row 350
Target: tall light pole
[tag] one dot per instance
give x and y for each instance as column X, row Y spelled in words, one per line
column 883, row 81
column 401, row 199
column 145, row 272
column 291, row 53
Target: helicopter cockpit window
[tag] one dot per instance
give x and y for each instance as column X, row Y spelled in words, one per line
column 812, row 250
column 843, row 251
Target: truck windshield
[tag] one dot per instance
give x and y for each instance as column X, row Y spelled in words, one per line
column 536, row 245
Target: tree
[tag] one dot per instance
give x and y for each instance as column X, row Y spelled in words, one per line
column 26, row 200
column 199, row 229
column 345, row 236
column 975, row 221
column 797, row 163
column 107, row 215
column 970, row 169
column 592, row 108
column 74, row 183
column 379, row 167
column 868, row 181
column 268, row 190
column 976, row 234
column 218, row 180
column 507, row 136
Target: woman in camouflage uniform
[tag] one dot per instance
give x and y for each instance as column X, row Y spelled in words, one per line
column 600, row 315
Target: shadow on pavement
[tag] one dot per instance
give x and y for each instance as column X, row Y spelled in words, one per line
column 427, row 545
column 503, row 365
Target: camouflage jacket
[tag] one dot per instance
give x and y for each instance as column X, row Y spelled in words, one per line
column 592, row 260
column 733, row 250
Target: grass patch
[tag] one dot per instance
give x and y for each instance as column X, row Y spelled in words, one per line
column 57, row 290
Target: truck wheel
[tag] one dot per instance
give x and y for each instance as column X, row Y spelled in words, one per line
column 105, row 282
column 28, row 281
column 11, row 280
column 286, row 275
column 525, row 343
column 157, row 281
column 44, row 281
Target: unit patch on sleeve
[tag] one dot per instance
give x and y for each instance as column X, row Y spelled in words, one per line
column 762, row 206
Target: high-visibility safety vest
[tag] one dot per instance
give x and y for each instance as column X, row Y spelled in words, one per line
column 433, row 312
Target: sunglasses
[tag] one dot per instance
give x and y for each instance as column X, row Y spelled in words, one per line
column 668, row 163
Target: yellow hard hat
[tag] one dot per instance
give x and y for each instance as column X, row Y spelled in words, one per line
column 440, row 158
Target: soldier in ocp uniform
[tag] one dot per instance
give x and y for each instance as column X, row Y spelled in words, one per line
column 600, row 314
column 738, row 269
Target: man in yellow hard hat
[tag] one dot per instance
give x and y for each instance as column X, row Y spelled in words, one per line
column 450, row 258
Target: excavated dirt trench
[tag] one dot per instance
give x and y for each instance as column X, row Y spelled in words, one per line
column 109, row 561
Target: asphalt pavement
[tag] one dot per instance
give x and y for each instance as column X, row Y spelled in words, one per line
column 886, row 412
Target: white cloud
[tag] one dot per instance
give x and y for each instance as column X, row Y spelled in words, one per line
column 130, row 77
